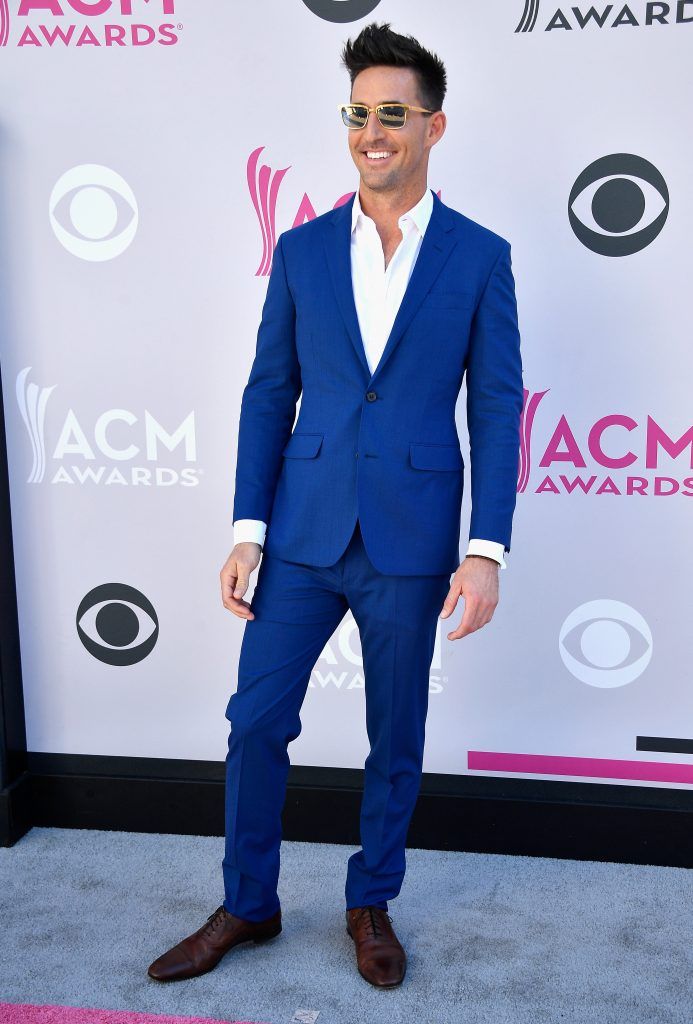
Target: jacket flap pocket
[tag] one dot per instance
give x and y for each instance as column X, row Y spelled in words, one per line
column 436, row 456
column 302, row 446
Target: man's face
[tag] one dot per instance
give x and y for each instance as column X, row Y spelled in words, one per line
column 409, row 146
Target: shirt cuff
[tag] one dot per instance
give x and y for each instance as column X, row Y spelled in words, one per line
column 253, row 530
column 490, row 548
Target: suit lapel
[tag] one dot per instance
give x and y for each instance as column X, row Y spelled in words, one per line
column 336, row 236
column 438, row 242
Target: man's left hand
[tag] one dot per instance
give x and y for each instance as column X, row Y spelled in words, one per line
column 477, row 581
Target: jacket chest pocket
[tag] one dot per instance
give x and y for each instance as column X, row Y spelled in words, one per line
column 449, row 298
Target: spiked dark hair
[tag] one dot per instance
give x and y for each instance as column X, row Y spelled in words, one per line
column 378, row 44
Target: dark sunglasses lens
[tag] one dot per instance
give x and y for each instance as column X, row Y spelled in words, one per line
column 392, row 116
column 354, row 116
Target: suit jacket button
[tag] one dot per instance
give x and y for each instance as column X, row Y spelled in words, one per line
column 371, row 396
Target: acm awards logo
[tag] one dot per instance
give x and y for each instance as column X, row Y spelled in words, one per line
column 263, row 184
column 340, row 665
column 119, row 447
column 615, row 452
column 117, row 624
column 634, row 15
column 108, row 23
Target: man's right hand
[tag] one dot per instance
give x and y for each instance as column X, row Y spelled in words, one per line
column 235, row 577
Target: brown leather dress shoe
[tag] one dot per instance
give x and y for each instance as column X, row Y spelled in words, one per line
column 203, row 950
column 379, row 953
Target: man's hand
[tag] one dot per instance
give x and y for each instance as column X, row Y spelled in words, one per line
column 235, row 577
column 477, row 581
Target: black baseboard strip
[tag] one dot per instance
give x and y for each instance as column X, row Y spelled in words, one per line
column 15, row 810
column 581, row 821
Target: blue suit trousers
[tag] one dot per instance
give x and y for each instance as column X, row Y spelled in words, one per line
column 297, row 608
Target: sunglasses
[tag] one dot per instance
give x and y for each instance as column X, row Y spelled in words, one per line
column 390, row 115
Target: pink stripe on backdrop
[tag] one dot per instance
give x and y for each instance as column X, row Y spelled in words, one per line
column 11, row 1013
column 592, row 767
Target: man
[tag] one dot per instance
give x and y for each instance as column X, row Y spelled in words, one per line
column 374, row 311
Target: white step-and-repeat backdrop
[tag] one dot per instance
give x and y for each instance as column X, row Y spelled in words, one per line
column 150, row 154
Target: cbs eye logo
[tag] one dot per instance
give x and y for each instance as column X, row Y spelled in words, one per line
column 117, row 624
column 341, row 11
column 618, row 204
column 93, row 212
column 613, row 631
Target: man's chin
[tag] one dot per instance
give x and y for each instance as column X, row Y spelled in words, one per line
column 378, row 182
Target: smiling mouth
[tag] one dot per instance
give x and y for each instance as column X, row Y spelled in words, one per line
column 380, row 159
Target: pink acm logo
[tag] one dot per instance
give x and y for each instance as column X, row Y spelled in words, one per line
column 263, row 185
column 616, row 455
column 109, row 23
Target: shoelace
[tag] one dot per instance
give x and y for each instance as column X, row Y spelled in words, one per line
column 214, row 919
column 374, row 922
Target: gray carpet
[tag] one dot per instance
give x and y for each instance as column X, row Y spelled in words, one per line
column 492, row 939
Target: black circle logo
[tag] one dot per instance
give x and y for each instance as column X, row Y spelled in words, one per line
column 117, row 624
column 341, row 11
column 627, row 200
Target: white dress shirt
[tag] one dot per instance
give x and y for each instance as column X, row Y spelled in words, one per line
column 378, row 292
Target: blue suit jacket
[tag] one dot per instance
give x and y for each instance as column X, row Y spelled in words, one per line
column 382, row 446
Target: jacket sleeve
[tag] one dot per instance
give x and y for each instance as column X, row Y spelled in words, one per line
column 268, row 404
column 495, row 397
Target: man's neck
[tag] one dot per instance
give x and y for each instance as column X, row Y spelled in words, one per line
column 386, row 208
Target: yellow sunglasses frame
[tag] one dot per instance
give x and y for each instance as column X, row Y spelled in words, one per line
column 406, row 107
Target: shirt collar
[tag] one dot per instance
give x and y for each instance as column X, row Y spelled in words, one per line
column 420, row 214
